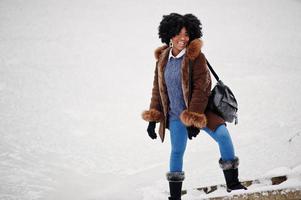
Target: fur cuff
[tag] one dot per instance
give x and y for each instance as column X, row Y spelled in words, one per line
column 152, row 115
column 229, row 164
column 193, row 119
column 175, row 176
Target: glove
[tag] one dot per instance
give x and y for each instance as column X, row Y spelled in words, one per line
column 192, row 131
column 151, row 130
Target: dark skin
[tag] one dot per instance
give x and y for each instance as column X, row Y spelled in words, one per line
column 179, row 42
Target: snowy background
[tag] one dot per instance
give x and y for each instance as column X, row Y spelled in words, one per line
column 76, row 75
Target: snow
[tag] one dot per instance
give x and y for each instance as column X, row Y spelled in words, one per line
column 280, row 171
column 75, row 77
column 264, row 184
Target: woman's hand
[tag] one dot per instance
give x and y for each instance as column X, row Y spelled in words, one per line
column 192, row 131
column 151, row 130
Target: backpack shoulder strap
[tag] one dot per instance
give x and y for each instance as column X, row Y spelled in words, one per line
column 212, row 71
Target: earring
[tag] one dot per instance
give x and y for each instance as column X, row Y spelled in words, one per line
column 170, row 44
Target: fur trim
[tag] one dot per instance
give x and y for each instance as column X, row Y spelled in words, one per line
column 175, row 176
column 161, row 81
column 192, row 51
column 159, row 51
column 229, row 164
column 194, row 48
column 193, row 119
column 152, row 115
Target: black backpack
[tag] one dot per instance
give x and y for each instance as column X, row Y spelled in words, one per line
column 221, row 100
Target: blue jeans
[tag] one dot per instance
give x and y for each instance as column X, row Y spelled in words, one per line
column 178, row 138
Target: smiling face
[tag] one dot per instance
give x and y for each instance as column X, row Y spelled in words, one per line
column 180, row 41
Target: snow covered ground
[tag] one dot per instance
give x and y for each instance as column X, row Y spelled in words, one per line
column 263, row 184
column 76, row 75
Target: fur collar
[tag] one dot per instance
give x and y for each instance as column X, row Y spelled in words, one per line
column 192, row 51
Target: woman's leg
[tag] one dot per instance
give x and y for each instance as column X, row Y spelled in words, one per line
column 175, row 177
column 228, row 162
column 224, row 141
column 178, row 138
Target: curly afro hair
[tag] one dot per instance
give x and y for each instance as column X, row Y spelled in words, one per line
column 172, row 24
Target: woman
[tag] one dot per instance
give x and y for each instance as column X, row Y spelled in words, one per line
column 181, row 107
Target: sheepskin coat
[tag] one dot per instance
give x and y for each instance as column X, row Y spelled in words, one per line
column 195, row 95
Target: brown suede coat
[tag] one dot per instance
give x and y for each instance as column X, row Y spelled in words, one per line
column 195, row 114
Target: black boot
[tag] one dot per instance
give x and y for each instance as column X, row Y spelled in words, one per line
column 175, row 184
column 175, row 189
column 230, row 169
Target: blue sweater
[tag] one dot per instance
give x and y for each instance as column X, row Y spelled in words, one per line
column 172, row 76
